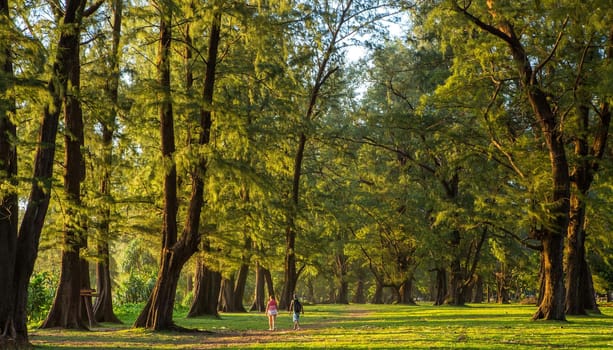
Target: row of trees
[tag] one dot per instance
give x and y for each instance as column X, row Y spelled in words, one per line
column 242, row 135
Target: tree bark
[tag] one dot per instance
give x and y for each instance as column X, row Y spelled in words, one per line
column 239, row 288
column 342, row 294
column 378, row 296
column 440, row 287
column 9, row 199
column 206, row 295
column 259, row 298
column 405, row 293
column 66, row 309
column 359, row 297
column 103, row 308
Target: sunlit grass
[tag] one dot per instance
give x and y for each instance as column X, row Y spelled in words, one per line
column 477, row 326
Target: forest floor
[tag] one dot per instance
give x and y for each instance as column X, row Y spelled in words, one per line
column 476, row 326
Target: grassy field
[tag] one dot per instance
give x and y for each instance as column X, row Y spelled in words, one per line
column 476, row 326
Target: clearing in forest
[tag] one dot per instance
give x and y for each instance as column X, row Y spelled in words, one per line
column 476, row 326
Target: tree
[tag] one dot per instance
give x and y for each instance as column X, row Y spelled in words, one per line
column 66, row 310
column 103, row 308
column 328, row 28
column 157, row 314
column 534, row 84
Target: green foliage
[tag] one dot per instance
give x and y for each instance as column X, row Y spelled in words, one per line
column 41, row 292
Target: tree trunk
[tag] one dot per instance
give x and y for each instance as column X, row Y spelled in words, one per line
column 477, row 290
column 269, row 284
column 502, row 291
column 206, row 295
column 580, row 295
column 291, row 275
column 342, row 294
column 103, row 308
column 405, row 293
column 259, row 299
column 226, row 295
column 9, row 199
column 378, row 296
column 359, row 297
column 551, row 306
column 66, row 309
column 440, row 286
column 239, row 288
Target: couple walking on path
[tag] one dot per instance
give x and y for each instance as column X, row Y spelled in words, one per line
column 272, row 311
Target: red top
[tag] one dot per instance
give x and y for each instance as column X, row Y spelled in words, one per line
column 272, row 305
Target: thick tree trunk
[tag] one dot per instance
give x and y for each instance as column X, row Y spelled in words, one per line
column 206, row 295
column 405, row 293
column 575, row 258
column 551, row 306
column 239, row 288
column 157, row 315
column 259, row 298
column 66, row 309
column 226, row 296
column 580, row 295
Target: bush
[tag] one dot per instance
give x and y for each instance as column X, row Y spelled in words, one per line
column 136, row 288
column 41, row 292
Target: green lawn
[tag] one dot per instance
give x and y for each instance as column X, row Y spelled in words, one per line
column 477, row 326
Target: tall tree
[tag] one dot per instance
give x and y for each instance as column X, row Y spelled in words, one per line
column 103, row 308
column 329, row 27
column 528, row 72
column 593, row 121
column 157, row 314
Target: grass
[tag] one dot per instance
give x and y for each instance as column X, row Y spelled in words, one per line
column 477, row 326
